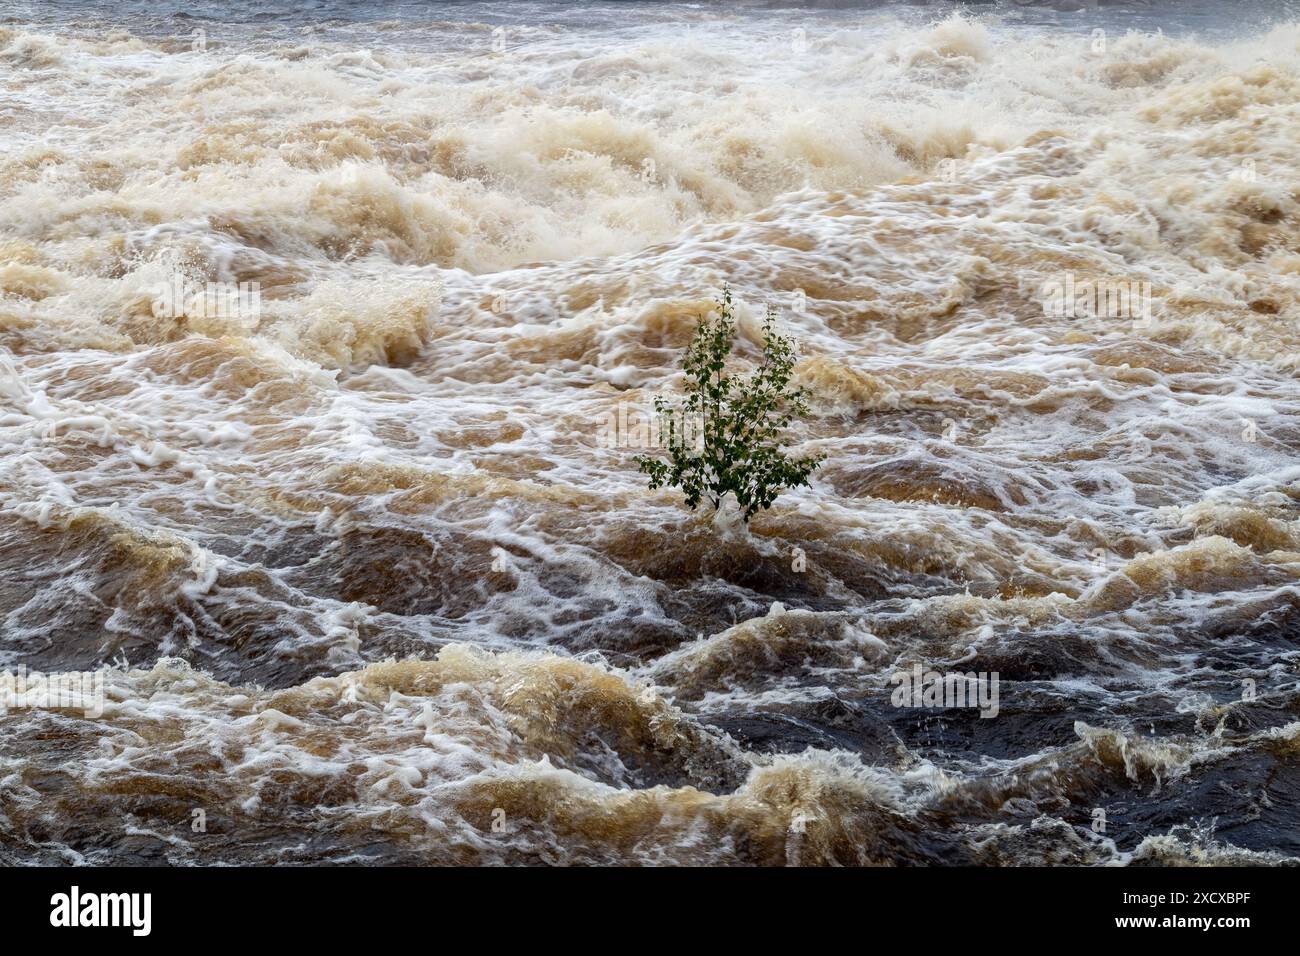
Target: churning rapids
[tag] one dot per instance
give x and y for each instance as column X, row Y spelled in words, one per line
column 363, row 582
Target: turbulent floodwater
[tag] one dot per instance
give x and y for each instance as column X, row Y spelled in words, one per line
column 367, row 583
